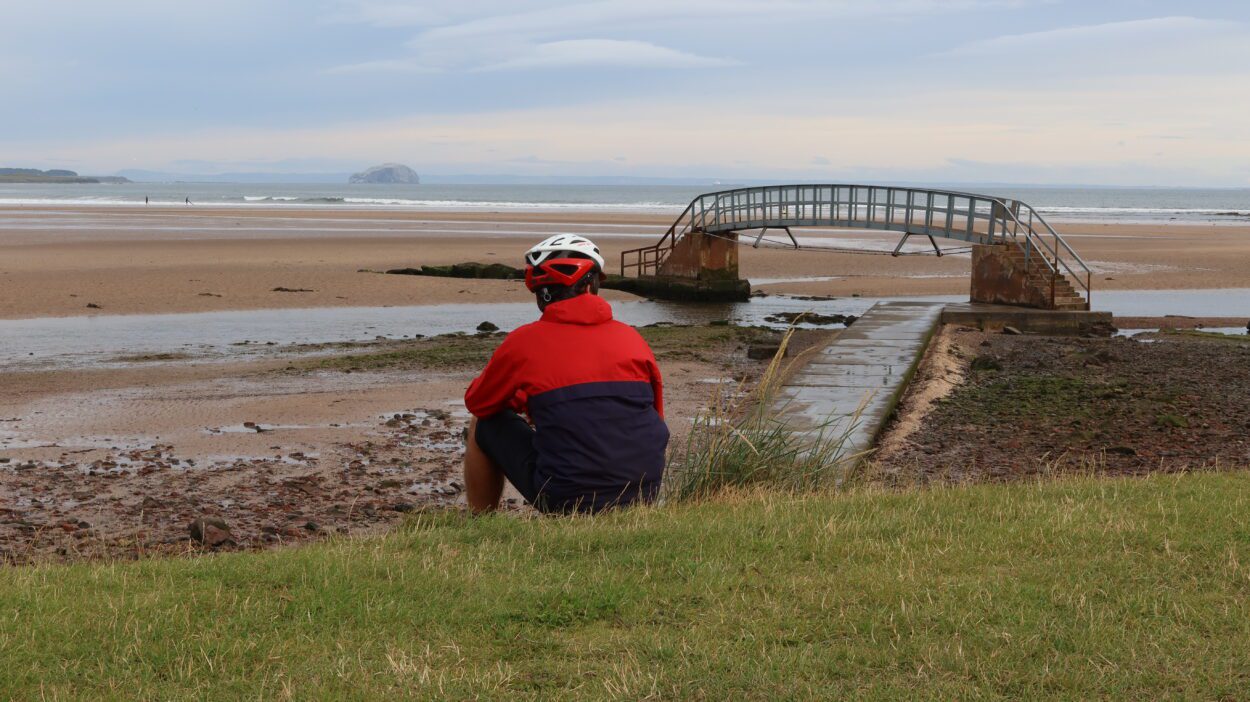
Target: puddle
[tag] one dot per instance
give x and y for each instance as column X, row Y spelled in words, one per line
column 1227, row 331
column 1104, row 267
column 78, row 444
column 797, row 279
column 261, row 428
column 1226, row 302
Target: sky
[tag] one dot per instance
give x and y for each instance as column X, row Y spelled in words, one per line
column 1128, row 92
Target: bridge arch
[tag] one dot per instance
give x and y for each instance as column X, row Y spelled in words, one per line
column 1018, row 257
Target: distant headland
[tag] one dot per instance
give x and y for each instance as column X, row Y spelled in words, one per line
column 386, row 173
column 34, row 175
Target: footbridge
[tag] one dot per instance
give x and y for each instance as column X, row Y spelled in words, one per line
column 1017, row 257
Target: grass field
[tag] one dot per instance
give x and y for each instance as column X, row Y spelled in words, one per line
column 678, row 342
column 1077, row 588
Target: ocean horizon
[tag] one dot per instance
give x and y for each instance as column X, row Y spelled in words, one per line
column 1059, row 203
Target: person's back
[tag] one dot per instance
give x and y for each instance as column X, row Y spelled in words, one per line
column 593, row 391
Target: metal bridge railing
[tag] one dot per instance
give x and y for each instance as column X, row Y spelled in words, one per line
column 913, row 211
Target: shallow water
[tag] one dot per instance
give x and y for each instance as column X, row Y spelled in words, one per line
column 1226, row 302
column 110, row 339
column 58, row 342
column 1226, row 331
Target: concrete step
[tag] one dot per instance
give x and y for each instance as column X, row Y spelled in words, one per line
column 1059, row 287
column 1059, row 284
column 1046, row 278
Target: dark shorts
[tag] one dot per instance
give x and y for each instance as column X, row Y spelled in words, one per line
column 508, row 440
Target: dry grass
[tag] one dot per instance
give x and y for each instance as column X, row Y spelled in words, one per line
column 742, row 441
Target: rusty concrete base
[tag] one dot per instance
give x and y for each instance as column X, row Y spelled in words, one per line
column 1001, row 275
column 700, row 256
column 1060, row 322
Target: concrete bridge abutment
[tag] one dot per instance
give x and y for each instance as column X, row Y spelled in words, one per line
column 1001, row 275
column 701, row 267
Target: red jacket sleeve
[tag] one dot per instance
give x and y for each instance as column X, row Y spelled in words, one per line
column 496, row 388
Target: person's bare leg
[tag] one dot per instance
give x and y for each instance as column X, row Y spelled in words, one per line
column 483, row 481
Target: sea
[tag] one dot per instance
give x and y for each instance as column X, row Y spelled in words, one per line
column 1062, row 204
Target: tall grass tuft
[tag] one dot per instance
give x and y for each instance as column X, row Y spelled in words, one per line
column 742, row 440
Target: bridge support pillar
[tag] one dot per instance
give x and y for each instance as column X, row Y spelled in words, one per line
column 700, row 268
column 707, row 264
column 1000, row 277
column 704, row 258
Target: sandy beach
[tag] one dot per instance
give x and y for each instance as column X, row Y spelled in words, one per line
column 125, row 260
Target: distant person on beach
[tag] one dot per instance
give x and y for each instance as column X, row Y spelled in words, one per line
column 188, row 199
column 145, row 199
column 590, row 386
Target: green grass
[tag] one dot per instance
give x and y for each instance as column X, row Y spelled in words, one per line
column 440, row 352
column 700, row 343
column 1021, row 396
column 455, row 351
column 1079, row 588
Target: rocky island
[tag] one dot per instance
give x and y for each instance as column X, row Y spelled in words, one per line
column 34, row 175
column 386, row 173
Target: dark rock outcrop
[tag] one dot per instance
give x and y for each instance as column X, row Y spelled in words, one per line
column 681, row 290
column 495, row 271
column 813, row 318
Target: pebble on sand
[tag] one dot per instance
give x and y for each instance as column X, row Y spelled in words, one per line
column 211, row 532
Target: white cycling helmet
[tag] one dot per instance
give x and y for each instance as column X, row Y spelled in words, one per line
column 563, row 244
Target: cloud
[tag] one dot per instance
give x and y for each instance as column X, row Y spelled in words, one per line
column 554, row 34
column 1103, row 56
column 564, row 18
column 500, row 80
column 1158, row 28
column 386, row 14
column 384, row 66
column 606, row 52
column 921, row 135
column 819, row 161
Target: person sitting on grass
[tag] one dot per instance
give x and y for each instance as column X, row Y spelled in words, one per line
column 590, row 387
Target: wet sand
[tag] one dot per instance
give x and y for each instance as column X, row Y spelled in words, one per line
column 56, row 262
column 118, row 461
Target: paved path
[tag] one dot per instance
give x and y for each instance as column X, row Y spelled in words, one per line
column 869, row 364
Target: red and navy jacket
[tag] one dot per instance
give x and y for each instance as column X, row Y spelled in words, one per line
column 592, row 390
